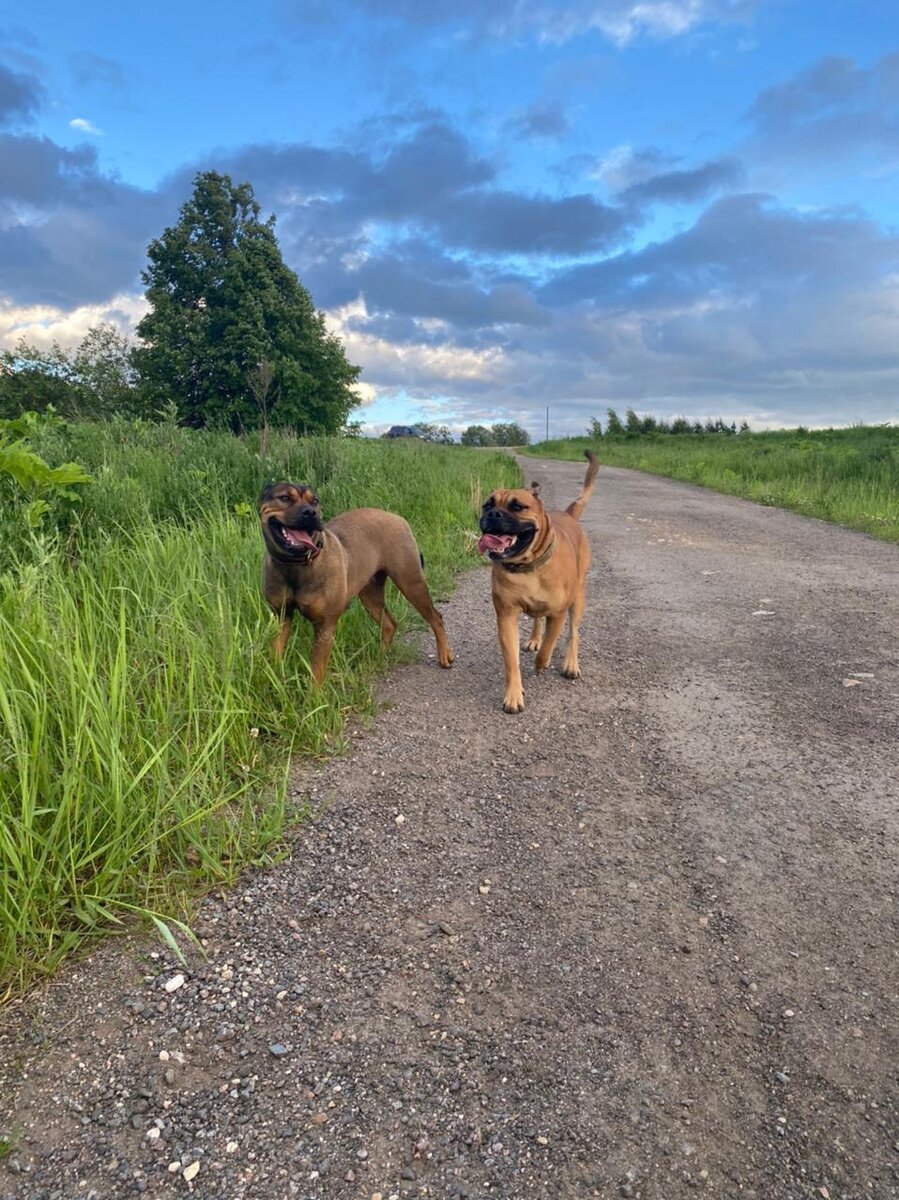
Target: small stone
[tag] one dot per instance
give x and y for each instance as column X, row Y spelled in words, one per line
column 542, row 1141
column 446, row 929
column 164, row 1056
column 399, row 819
column 174, row 1168
column 350, row 1176
column 172, row 985
column 781, row 1077
column 153, row 1134
column 191, row 1172
column 788, row 1012
column 230, row 1147
column 484, row 889
column 278, row 1050
column 169, row 1076
column 362, row 1153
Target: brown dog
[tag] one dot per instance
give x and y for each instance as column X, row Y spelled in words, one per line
column 540, row 563
column 317, row 569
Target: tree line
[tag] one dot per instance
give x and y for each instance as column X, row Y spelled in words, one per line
column 231, row 338
column 635, row 426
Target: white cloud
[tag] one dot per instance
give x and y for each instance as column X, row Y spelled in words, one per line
column 44, row 324
column 85, row 126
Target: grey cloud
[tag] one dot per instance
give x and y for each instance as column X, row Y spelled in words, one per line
column 685, row 186
column 21, row 95
column 831, row 82
column 741, row 245
column 35, row 170
column 833, row 109
column 508, row 223
column 545, row 120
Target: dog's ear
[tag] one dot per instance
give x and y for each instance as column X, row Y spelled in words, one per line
column 534, row 489
column 267, row 492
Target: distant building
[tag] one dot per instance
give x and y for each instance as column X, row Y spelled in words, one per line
column 396, row 431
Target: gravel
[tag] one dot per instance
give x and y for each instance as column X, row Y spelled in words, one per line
column 567, row 971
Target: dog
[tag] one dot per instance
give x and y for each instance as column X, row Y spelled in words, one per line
column 316, row 569
column 540, row 562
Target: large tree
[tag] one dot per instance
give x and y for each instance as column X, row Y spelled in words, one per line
column 223, row 308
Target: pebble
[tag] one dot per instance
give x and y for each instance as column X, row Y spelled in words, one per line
column 191, row 1172
column 172, row 985
column 362, row 1153
column 278, row 1050
column 230, row 1147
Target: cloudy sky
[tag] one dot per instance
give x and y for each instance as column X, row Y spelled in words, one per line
column 682, row 206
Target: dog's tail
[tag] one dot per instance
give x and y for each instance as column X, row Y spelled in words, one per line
column 576, row 507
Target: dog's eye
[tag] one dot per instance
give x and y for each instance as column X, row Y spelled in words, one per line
column 488, row 503
column 285, row 499
column 516, row 507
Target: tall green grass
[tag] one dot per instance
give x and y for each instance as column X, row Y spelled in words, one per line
column 145, row 734
column 848, row 476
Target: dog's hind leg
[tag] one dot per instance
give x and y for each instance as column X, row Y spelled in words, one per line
column 570, row 668
column 372, row 597
column 537, row 630
column 554, row 624
column 416, row 592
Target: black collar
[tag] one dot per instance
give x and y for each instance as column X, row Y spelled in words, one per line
column 520, row 568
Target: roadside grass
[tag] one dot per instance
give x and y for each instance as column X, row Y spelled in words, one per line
column 145, row 734
column 848, row 476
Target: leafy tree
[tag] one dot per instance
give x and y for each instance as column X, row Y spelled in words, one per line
column 632, row 423
column 509, row 433
column 33, row 380
column 103, row 370
column 477, row 435
column 95, row 380
column 222, row 301
column 595, row 428
column 435, row 433
column 681, row 425
column 614, row 428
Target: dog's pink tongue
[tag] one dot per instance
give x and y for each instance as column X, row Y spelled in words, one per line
column 298, row 537
column 495, row 541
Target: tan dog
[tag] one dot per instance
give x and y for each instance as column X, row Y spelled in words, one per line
column 317, row 569
column 540, row 563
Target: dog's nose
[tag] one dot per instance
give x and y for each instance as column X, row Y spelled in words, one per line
column 307, row 512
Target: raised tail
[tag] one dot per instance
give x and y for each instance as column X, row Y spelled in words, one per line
column 576, row 507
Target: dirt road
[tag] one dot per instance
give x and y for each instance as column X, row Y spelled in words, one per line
column 638, row 941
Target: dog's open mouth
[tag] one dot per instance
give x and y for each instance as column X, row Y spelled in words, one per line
column 297, row 541
column 504, row 545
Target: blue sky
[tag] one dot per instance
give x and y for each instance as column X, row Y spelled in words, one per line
column 680, row 206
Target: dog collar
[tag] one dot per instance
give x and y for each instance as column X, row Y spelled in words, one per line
column 520, row 568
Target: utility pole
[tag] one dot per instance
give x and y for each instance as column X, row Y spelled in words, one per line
column 547, row 422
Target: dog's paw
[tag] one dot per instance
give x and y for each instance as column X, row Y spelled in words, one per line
column 513, row 704
column 532, row 646
column 446, row 660
column 570, row 673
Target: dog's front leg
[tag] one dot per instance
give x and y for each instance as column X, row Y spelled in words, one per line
column 509, row 640
column 279, row 644
column 322, row 641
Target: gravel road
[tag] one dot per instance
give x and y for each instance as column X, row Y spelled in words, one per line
column 638, row 941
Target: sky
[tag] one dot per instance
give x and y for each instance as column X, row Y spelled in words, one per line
column 678, row 206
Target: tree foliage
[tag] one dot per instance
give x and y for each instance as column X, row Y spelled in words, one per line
column 502, row 433
column 95, row 380
column 435, row 433
column 222, row 303
column 477, row 435
column 635, row 426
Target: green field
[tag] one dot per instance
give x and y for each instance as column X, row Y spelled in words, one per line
column 145, row 735
column 849, row 476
